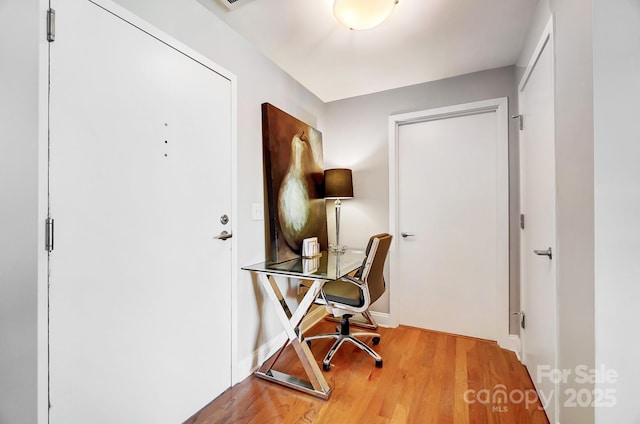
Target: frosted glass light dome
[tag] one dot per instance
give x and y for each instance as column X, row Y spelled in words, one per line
column 363, row 14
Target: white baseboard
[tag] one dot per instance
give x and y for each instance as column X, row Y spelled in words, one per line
column 250, row 364
column 383, row 319
column 512, row 343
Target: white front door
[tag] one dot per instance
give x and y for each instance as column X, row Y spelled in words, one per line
column 140, row 176
column 451, row 244
column 537, row 167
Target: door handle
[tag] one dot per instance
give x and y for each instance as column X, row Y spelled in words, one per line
column 223, row 236
column 547, row 252
column 405, row 235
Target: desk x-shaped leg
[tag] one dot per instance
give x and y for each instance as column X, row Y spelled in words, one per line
column 317, row 385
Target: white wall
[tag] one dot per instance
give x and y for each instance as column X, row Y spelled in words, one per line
column 574, row 174
column 259, row 80
column 574, row 178
column 357, row 137
column 23, row 372
column 617, row 202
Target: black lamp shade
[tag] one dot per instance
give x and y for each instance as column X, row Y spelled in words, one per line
column 338, row 184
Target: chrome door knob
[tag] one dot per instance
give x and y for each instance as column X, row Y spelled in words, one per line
column 223, row 236
column 405, row 235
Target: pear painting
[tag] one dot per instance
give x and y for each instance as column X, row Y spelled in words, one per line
column 293, row 177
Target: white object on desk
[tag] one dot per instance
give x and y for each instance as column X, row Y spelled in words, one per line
column 310, row 247
column 310, row 265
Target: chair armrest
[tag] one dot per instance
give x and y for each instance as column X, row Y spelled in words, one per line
column 362, row 286
column 355, row 281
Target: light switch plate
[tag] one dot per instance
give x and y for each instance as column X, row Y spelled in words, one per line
column 257, row 211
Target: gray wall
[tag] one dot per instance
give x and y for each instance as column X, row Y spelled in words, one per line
column 617, row 202
column 356, row 137
column 22, row 310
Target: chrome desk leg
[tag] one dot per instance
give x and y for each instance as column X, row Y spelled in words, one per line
column 317, row 385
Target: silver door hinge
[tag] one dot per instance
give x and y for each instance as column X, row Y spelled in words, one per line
column 522, row 221
column 521, row 314
column 520, row 118
column 51, row 25
column 49, row 235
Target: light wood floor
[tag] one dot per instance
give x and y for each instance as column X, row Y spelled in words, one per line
column 428, row 377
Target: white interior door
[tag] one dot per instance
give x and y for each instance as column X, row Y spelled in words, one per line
column 140, row 291
column 452, row 220
column 537, row 167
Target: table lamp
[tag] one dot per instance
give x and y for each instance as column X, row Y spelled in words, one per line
column 338, row 185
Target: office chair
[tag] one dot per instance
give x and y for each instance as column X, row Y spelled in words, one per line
column 353, row 294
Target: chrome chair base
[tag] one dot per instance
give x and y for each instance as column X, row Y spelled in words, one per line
column 344, row 335
column 370, row 323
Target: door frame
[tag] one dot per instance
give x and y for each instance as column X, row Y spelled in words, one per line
column 127, row 16
column 500, row 107
column 546, row 40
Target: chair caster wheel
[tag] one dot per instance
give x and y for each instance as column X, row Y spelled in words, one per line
column 326, row 367
column 375, row 340
column 379, row 364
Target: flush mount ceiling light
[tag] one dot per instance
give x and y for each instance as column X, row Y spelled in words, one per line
column 363, row 14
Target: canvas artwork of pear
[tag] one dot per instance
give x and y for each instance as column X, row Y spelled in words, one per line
column 296, row 205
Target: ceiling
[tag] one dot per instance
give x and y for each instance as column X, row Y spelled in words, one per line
column 423, row 40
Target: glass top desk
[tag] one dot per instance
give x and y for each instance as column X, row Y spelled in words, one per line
column 327, row 267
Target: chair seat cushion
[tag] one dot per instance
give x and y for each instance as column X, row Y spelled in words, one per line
column 345, row 293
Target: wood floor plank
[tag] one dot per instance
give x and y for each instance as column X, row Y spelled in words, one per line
column 427, row 377
column 460, row 407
